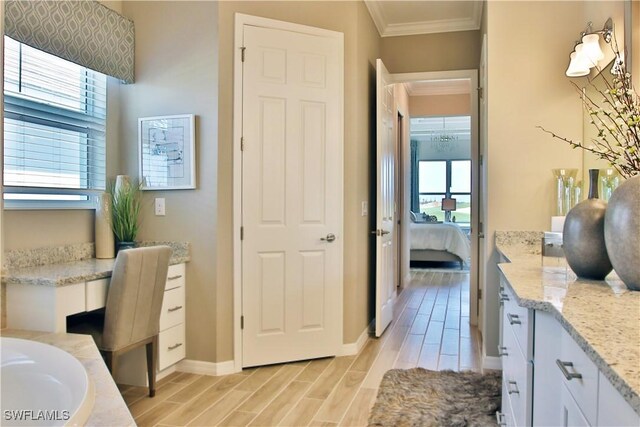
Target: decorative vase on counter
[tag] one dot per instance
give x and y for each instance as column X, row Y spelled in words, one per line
column 104, row 234
column 125, row 245
column 622, row 232
column 583, row 235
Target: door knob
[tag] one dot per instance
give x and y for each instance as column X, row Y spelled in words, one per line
column 330, row 238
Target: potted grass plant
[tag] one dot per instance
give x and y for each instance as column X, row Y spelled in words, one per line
column 125, row 208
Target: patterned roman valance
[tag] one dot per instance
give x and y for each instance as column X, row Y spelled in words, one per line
column 84, row 32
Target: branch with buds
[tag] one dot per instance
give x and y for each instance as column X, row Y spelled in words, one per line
column 616, row 117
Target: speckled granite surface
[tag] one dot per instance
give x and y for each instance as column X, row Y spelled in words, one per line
column 109, row 408
column 603, row 317
column 20, row 258
column 76, row 271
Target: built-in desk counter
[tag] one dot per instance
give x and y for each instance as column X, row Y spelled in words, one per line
column 41, row 297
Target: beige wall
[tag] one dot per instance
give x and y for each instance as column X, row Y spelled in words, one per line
column 431, row 52
column 440, row 105
column 526, row 88
column 176, row 73
column 361, row 48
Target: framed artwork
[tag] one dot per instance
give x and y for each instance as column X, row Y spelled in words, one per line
column 167, row 153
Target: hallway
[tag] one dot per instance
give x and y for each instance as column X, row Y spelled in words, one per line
column 431, row 330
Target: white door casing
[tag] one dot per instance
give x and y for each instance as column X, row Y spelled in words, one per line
column 385, row 203
column 292, row 191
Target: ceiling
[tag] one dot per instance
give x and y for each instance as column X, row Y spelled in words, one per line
column 439, row 87
column 403, row 18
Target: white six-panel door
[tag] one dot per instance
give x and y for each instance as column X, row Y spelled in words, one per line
column 385, row 205
column 291, row 196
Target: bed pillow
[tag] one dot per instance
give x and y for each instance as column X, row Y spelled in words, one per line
column 417, row 217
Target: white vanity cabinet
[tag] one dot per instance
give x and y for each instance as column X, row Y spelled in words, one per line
column 171, row 342
column 548, row 380
column 569, row 388
column 515, row 350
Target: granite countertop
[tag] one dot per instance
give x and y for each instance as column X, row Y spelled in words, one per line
column 109, row 408
column 57, row 272
column 603, row 317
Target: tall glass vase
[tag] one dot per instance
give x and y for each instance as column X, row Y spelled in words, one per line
column 565, row 182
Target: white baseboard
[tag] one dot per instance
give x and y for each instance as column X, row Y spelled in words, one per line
column 353, row 348
column 228, row 367
column 206, row 368
column 170, row 370
column 491, row 362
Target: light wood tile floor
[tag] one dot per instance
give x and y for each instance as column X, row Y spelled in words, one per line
column 431, row 330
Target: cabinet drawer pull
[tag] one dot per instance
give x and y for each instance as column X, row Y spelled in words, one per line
column 176, row 308
column 563, row 368
column 500, row 418
column 513, row 390
column 502, row 351
column 514, row 319
column 173, row 347
column 504, row 297
column 175, row 277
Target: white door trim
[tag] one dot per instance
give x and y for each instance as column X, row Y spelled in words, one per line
column 472, row 75
column 240, row 21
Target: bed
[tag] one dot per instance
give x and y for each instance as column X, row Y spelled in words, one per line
column 438, row 242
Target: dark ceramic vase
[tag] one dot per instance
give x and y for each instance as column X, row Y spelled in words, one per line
column 622, row 232
column 121, row 246
column 583, row 235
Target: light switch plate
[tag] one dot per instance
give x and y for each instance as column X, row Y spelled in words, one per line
column 159, row 206
column 365, row 208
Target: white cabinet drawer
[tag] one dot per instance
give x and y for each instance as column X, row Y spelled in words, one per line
column 515, row 372
column 572, row 416
column 613, row 410
column 173, row 308
column 171, row 346
column 518, row 319
column 579, row 374
column 175, row 276
column 96, row 293
column 505, row 416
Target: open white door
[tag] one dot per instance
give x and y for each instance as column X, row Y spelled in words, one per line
column 385, row 206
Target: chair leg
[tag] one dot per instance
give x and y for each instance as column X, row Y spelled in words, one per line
column 110, row 361
column 151, row 364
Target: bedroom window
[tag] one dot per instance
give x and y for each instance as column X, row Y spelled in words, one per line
column 438, row 179
column 54, row 130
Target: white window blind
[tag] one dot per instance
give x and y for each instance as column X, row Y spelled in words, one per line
column 54, row 126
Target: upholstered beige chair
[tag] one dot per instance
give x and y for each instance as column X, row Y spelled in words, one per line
column 134, row 303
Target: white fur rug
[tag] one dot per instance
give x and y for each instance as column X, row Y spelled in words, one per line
column 419, row 397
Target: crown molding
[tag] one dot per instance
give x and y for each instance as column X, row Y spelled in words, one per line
column 452, row 87
column 424, row 27
column 377, row 14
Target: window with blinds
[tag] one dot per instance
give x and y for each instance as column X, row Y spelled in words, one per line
column 54, row 127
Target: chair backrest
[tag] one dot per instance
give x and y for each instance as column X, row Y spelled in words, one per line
column 135, row 296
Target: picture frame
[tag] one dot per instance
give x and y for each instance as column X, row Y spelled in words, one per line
column 166, row 152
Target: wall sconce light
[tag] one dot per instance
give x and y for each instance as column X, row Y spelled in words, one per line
column 587, row 52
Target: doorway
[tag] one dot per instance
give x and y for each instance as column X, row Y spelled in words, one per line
column 468, row 202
